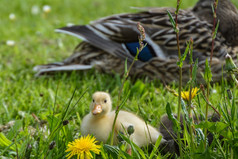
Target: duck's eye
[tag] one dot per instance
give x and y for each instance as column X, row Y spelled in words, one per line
column 105, row 101
column 93, row 100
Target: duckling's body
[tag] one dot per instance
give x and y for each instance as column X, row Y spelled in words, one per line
column 100, row 124
column 99, row 127
column 141, row 135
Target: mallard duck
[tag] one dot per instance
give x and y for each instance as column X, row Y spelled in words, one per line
column 109, row 41
column 227, row 14
column 100, row 119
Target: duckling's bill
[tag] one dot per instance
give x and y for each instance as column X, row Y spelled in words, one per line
column 97, row 109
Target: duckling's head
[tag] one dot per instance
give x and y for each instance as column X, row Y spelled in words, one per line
column 101, row 104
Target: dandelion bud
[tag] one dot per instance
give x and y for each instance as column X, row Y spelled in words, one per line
column 65, row 122
column 229, row 93
column 130, row 129
column 230, row 65
column 52, row 145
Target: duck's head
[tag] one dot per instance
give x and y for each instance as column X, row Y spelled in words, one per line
column 101, row 104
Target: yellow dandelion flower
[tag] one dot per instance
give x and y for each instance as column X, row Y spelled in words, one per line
column 185, row 94
column 83, row 147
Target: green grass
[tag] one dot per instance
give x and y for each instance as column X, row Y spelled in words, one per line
column 21, row 94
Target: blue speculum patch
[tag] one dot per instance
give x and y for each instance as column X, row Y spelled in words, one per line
column 145, row 55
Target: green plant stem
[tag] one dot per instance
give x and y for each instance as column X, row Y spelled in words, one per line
column 213, row 30
column 206, row 115
column 118, row 101
column 16, row 149
column 141, row 38
column 234, row 79
column 53, row 113
column 180, row 79
column 211, row 55
column 170, row 133
column 190, row 110
column 213, row 41
column 207, row 101
column 146, row 125
column 232, row 153
column 220, row 148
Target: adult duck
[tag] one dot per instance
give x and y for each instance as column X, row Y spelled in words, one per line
column 109, row 41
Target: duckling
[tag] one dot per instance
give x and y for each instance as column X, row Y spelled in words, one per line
column 99, row 123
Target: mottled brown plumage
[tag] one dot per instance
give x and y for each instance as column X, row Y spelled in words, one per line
column 105, row 46
column 227, row 13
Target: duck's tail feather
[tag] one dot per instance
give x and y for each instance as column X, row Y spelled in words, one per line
column 59, row 67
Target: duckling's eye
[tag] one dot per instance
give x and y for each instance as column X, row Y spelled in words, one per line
column 93, row 101
column 105, row 101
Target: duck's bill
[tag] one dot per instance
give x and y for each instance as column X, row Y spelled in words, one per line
column 97, row 109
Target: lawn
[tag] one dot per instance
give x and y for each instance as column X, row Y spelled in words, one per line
column 37, row 104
